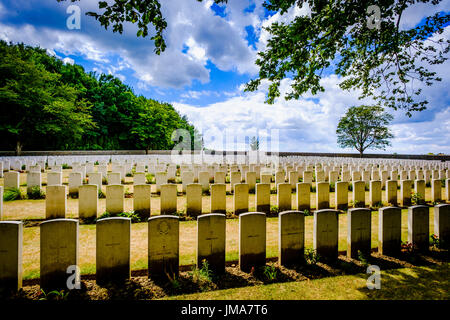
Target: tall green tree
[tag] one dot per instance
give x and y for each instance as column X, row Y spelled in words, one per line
column 369, row 52
column 35, row 103
column 149, row 129
column 364, row 127
column 48, row 105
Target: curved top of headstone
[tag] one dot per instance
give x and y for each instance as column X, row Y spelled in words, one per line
column 163, row 216
column 88, row 186
column 325, row 210
column 389, row 208
column 251, row 213
column 417, row 207
column 204, row 216
column 359, row 209
column 290, row 212
column 442, row 205
column 168, row 184
column 142, row 185
column 114, row 185
column 59, row 220
column 11, row 222
column 122, row 219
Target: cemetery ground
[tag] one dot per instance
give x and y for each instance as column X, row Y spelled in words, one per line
column 409, row 276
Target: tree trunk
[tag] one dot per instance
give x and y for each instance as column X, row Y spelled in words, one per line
column 146, row 150
column 19, row 146
column 360, row 154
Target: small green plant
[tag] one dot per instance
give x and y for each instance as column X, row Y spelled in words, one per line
column 311, row 256
column 180, row 213
column 54, row 295
column 435, row 242
column 127, row 193
column 36, row 193
column 358, row 204
column 101, row 195
column 12, row 194
column 332, row 187
column 270, row 272
column 377, row 205
column 363, row 258
column 66, row 166
column 202, row 276
column 135, row 218
column 105, row 215
column 307, row 212
column 173, row 280
column 150, row 178
column 204, row 272
column 129, row 174
column 416, row 198
column 274, row 210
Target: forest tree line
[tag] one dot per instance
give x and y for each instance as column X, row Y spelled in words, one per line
column 47, row 104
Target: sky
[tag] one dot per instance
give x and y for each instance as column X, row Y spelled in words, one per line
column 210, row 56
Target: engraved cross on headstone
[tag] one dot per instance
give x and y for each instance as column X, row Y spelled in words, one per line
column 113, row 243
column 327, row 231
column 390, row 226
column 58, row 249
column 211, row 238
column 360, row 227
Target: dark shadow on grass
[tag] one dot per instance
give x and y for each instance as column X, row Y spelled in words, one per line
column 424, row 283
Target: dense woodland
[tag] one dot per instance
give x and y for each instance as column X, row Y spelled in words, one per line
column 49, row 105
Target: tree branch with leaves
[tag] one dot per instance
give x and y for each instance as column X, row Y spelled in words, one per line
column 387, row 64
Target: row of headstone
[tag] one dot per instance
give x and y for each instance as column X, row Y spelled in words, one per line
column 202, row 159
column 56, row 197
column 75, row 179
column 59, row 248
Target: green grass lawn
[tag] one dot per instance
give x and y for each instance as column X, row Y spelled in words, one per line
column 405, row 283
